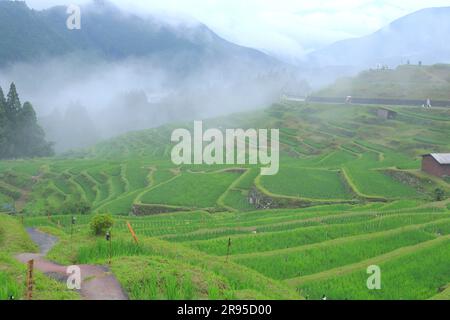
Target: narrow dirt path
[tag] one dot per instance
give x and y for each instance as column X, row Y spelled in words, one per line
column 97, row 282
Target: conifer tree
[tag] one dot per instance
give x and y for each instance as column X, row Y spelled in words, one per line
column 31, row 136
column 20, row 133
column 2, row 99
column 13, row 108
column 3, row 124
column 13, row 105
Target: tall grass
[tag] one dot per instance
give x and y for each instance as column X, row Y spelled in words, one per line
column 146, row 289
column 101, row 250
column 9, row 287
column 167, row 287
column 171, row 288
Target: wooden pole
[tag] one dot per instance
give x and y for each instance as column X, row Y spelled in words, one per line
column 132, row 232
column 71, row 236
column 229, row 247
column 110, row 248
column 30, row 280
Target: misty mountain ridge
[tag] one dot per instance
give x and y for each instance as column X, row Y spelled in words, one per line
column 109, row 33
column 122, row 72
column 420, row 36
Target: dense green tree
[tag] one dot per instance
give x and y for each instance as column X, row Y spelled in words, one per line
column 12, row 109
column 30, row 136
column 20, row 133
column 3, row 124
column 2, row 100
column 13, row 105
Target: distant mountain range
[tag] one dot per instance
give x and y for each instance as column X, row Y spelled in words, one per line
column 107, row 32
column 420, row 36
column 28, row 35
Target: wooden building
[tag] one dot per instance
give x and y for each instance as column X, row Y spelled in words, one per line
column 436, row 164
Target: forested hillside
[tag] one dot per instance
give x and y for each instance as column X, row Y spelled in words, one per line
column 109, row 33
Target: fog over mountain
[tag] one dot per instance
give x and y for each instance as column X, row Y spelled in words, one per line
column 286, row 29
column 124, row 72
column 121, row 72
column 420, row 36
column 109, row 32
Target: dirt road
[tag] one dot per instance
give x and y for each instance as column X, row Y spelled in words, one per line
column 97, row 281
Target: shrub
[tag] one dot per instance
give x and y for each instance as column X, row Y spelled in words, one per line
column 101, row 223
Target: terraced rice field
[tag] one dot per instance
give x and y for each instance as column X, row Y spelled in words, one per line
column 185, row 189
column 316, row 251
column 347, row 168
column 310, row 183
column 349, row 195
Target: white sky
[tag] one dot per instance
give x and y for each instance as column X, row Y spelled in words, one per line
column 288, row 28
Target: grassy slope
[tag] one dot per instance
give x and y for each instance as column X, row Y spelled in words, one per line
column 342, row 247
column 149, row 270
column 14, row 240
column 405, row 82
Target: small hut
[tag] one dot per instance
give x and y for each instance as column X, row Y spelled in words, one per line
column 386, row 114
column 436, row 164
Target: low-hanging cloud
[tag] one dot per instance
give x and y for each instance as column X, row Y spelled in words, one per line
column 81, row 101
column 288, row 29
